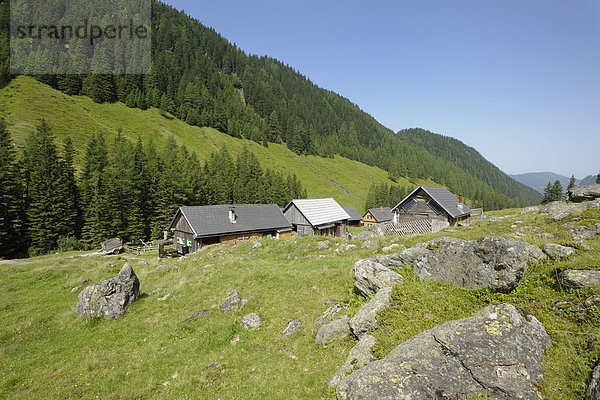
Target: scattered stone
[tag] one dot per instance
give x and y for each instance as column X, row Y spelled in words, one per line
column 535, row 253
column 365, row 319
column 251, row 321
column 330, row 313
column 367, row 244
column 496, row 351
column 111, row 298
column 257, row 245
column 76, row 288
column 165, row 297
column 584, row 193
column 583, row 232
column 390, row 247
column 334, row 330
column 293, row 327
column 112, row 246
column 577, row 279
column 370, row 276
column 527, row 210
column 592, row 301
column 367, row 234
column 232, row 301
column 244, row 302
column 156, row 291
column 359, row 356
column 556, row 251
column 164, row 266
column 491, row 262
column 593, row 391
column 195, row 316
column 323, row 245
column 351, row 247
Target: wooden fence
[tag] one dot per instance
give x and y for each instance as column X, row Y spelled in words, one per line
column 139, row 249
column 418, row 227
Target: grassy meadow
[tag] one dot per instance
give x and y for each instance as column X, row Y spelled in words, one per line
column 47, row 351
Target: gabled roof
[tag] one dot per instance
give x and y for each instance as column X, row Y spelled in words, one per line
column 444, row 198
column 209, row 221
column 320, row 211
column 351, row 211
column 382, row 214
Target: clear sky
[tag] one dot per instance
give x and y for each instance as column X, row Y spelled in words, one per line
column 519, row 80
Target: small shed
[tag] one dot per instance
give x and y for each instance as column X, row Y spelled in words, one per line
column 312, row 217
column 355, row 217
column 433, row 203
column 194, row 227
column 377, row 216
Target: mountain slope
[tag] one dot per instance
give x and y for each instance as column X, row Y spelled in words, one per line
column 24, row 101
column 469, row 160
column 539, row 180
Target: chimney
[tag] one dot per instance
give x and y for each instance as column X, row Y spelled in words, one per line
column 380, row 208
column 460, row 199
column 232, row 215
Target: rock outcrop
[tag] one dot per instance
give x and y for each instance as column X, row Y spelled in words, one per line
column 111, row 298
column 370, row 276
column 577, row 279
column 334, row 330
column 360, row 355
column 556, row 251
column 584, row 232
column 584, row 193
column 557, row 210
column 330, row 313
column 496, row 351
column 364, row 320
column 491, row 262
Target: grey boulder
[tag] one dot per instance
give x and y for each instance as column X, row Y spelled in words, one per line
column 367, row 244
column 593, row 391
column 111, row 298
column 367, row 234
column 360, row 355
column 365, row 319
column 251, row 321
column 584, row 193
column 496, row 351
column 330, row 313
column 323, row 245
column 370, row 276
column 576, row 279
column 557, row 210
column 556, row 251
column 583, row 232
column 292, row 327
column 492, row 262
column 334, row 330
column 232, row 301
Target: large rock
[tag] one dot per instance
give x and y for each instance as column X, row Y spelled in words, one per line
column 360, row 355
column 111, row 298
column 576, row 279
column 364, row 320
column 556, row 251
column 584, row 193
column 583, row 232
column 557, row 210
column 367, row 234
column 335, row 330
column 112, row 246
column 370, row 276
column 251, row 321
column 491, row 262
column 593, row 391
column 496, row 351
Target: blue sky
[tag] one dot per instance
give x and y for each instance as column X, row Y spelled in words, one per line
column 519, row 80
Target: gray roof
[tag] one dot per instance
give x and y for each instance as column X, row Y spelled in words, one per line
column 444, row 198
column 320, row 211
column 208, row 221
column 382, row 214
column 351, row 211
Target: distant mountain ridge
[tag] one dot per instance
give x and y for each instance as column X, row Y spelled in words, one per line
column 539, row 180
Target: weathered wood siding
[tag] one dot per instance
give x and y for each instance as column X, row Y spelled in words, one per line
column 183, row 235
column 420, row 210
column 304, row 230
column 295, row 216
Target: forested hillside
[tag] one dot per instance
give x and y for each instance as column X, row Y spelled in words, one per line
column 204, row 80
column 469, row 160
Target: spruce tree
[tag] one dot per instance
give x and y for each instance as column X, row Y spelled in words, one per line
column 557, row 191
column 70, row 223
column 571, row 182
column 11, row 217
column 548, row 195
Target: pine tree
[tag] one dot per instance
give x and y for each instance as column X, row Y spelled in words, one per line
column 70, row 221
column 557, row 191
column 571, row 182
column 11, row 217
column 548, row 195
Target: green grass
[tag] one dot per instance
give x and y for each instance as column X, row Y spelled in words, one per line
column 24, row 101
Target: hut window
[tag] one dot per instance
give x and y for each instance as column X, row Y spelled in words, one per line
column 409, row 204
column 435, row 207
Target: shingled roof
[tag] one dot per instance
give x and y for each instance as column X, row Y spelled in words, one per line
column 319, row 212
column 210, row 221
column 354, row 215
column 444, row 198
column 382, row 214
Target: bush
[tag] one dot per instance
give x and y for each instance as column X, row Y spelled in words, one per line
column 70, row 243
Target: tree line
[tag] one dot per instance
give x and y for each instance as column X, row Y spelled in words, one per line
column 127, row 190
column 384, row 195
column 555, row 192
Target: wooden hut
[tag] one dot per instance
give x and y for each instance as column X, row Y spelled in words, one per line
column 377, row 216
column 311, row 217
column 433, row 203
